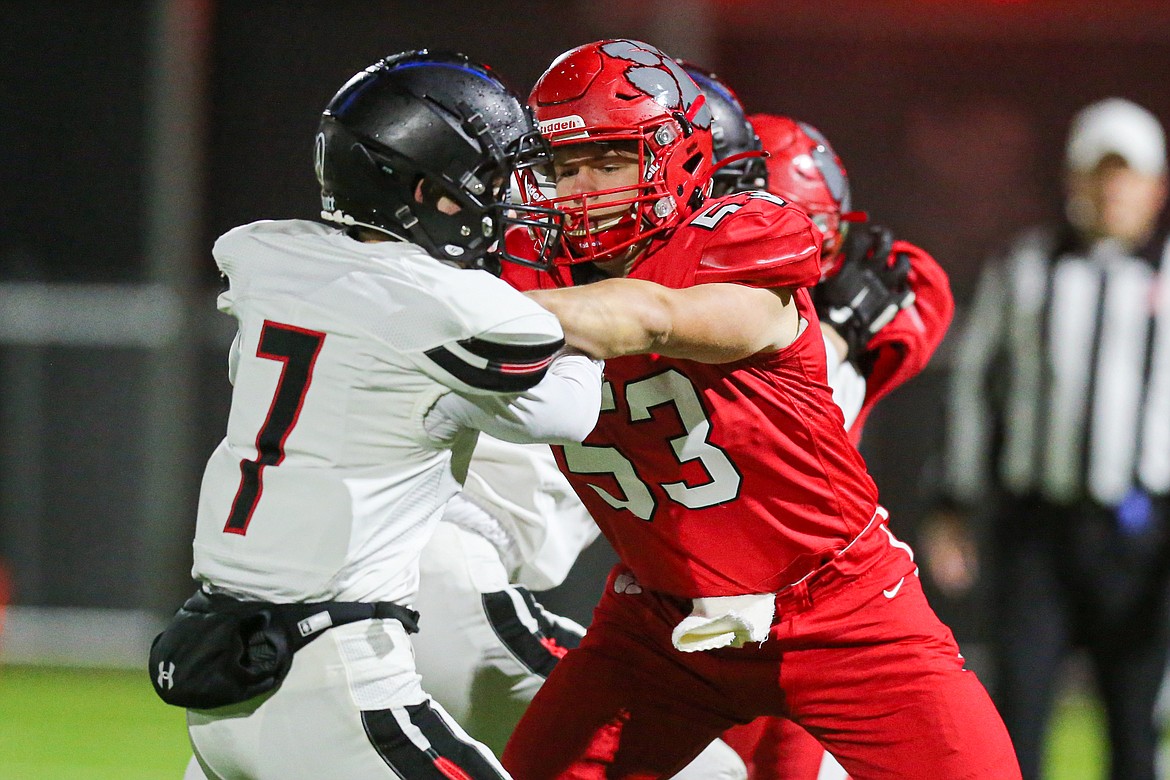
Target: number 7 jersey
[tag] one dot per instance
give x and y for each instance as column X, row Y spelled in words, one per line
column 717, row 480
column 327, row 484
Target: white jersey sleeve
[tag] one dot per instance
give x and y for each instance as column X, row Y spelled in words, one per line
column 563, row 408
column 846, row 382
column 488, row 341
column 521, row 488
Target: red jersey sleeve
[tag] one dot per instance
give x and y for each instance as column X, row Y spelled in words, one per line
column 758, row 241
column 903, row 348
column 524, row 278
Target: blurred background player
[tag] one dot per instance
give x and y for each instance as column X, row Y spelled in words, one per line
column 1058, row 435
column 888, row 300
column 720, row 470
column 488, row 644
column 369, row 356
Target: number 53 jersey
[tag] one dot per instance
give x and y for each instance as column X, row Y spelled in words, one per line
column 327, row 484
column 718, row 480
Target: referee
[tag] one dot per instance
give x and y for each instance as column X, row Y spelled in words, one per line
column 1059, row 430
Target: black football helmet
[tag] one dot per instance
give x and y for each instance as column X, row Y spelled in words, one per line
column 438, row 119
column 732, row 134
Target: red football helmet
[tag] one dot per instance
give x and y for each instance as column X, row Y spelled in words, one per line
column 615, row 91
column 805, row 171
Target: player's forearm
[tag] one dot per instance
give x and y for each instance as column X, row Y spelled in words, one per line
column 708, row 323
column 724, row 323
column 563, row 408
column 610, row 318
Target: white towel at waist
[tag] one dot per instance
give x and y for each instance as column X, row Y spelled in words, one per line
column 724, row 621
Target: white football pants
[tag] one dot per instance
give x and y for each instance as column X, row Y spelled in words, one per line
column 351, row 706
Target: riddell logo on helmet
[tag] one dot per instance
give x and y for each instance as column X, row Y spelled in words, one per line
column 532, row 191
column 561, row 123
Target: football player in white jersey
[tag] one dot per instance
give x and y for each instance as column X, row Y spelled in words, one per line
column 369, row 356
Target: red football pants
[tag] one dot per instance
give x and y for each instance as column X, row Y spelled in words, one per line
column 777, row 749
column 856, row 656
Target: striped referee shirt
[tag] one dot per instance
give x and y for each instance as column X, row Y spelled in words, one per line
column 1061, row 385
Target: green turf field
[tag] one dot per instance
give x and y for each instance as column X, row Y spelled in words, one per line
column 78, row 724
column 72, row 724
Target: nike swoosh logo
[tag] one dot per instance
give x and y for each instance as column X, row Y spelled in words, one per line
column 894, row 590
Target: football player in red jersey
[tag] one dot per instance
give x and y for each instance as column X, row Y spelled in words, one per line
column 757, row 573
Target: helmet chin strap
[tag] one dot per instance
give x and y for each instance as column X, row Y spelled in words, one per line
column 339, row 217
column 687, row 121
column 734, row 158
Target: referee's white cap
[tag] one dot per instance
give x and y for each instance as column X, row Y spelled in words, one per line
column 1116, row 126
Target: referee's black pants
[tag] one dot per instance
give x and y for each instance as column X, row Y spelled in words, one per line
column 1070, row 577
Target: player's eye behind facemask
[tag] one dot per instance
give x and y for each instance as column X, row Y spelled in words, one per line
column 626, row 93
column 440, row 120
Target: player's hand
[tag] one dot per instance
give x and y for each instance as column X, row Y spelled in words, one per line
column 868, row 291
column 950, row 555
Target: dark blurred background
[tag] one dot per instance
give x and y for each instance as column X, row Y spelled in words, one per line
column 132, row 133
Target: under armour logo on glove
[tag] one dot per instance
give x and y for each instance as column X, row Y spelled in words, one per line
column 625, row 583
column 166, row 675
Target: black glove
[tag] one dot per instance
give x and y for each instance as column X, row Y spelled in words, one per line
column 871, row 287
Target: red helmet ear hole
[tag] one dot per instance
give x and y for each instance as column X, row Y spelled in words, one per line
column 692, row 164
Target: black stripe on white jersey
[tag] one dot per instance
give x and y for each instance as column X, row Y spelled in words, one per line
column 532, row 638
column 1144, row 403
column 563, row 636
column 433, row 752
column 490, row 365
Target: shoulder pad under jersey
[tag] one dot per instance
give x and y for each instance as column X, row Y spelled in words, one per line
column 755, row 238
column 230, row 249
